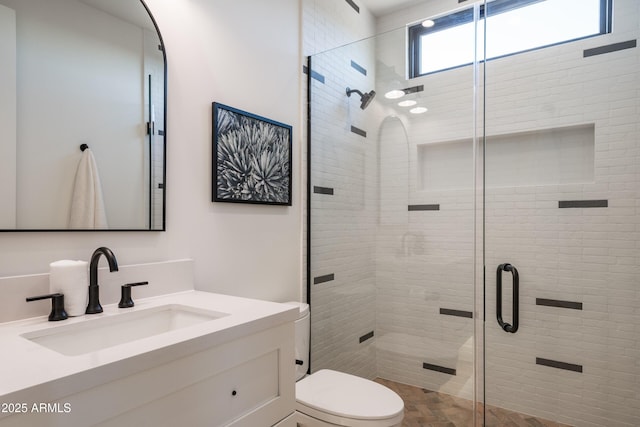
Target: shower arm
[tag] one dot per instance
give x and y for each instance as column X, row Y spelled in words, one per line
column 350, row 91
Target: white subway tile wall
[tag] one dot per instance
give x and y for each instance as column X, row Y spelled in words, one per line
column 584, row 254
column 343, row 223
column 395, row 269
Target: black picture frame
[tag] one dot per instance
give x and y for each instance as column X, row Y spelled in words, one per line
column 251, row 158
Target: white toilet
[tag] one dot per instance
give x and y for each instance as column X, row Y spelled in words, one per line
column 331, row 398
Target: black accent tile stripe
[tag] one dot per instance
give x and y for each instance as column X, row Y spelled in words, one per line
column 317, row 76
column 413, row 89
column 358, row 131
column 424, row 207
column 366, row 337
column 559, row 365
column 583, row 203
column 354, row 5
column 323, row 279
column 629, row 44
column 559, row 303
column 314, row 74
column 358, row 67
column 323, row 190
column 438, row 368
column 458, row 313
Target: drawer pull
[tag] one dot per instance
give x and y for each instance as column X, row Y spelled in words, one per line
column 233, row 393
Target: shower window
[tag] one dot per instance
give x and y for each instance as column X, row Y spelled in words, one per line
column 513, row 26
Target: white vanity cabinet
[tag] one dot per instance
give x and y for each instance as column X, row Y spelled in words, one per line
column 245, row 383
column 239, row 376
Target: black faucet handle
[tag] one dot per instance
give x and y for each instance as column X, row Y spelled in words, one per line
column 57, row 305
column 125, row 294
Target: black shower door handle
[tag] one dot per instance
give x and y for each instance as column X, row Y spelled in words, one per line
column 515, row 300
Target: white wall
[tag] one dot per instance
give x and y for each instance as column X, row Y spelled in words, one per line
column 242, row 53
column 329, row 24
column 418, row 12
column 8, row 117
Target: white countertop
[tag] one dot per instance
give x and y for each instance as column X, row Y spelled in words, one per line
column 30, row 372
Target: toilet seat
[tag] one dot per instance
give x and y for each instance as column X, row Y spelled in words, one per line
column 348, row 400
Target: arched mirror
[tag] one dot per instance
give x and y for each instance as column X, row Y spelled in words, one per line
column 81, row 73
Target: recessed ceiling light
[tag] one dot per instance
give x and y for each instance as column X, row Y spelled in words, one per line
column 428, row 23
column 407, row 103
column 418, row 110
column 394, row 94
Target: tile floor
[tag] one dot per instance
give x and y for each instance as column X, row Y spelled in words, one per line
column 425, row 408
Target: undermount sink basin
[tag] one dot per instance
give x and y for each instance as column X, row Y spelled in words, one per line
column 104, row 332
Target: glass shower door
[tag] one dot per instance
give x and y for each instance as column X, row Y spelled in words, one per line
column 562, row 230
column 391, row 225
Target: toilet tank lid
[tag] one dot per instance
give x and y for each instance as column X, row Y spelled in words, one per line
column 304, row 307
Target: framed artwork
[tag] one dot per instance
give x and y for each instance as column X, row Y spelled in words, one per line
column 251, row 158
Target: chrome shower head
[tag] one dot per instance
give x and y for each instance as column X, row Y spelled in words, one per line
column 365, row 98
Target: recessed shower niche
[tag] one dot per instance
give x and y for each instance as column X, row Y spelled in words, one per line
column 513, row 160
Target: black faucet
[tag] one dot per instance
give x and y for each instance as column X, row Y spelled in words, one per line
column 57, row 306
column 94, row 291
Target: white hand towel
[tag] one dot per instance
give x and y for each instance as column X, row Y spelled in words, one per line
column 70, row 278
column 87, row 204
